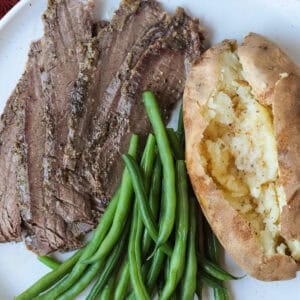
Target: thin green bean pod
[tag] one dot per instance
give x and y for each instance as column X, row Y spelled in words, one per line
column 49, row 262
column 165, row 153
column 123, row 282
column 216, row 271
column 51, row 278
column 176, row 146
column 177, row 262
column 189, row 280
column 109, row 266
column 107, row 292
column 143, row 205
column 134, row 257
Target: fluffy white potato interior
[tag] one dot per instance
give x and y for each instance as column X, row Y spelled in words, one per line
column 239, row 152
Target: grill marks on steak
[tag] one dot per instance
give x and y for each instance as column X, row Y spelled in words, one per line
column 100, row 127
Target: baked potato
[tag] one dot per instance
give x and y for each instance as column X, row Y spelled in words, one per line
column 241, row 110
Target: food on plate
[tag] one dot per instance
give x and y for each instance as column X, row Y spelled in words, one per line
column 74, row 109
column 123, row 237
column 142, row 48
column 242, row 124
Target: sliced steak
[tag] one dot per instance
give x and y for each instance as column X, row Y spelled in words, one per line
column 97, row 91
column 56, row 214
column 103, row 118
column 11, row 129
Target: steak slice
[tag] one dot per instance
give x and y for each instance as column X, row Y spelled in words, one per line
column 56, row 214
column 97, row 91
column 105, row 114
column 11, row 128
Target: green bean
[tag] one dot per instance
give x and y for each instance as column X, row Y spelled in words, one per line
column 109, row 266
column 49, row 262
column 152, row 267
column 212, row 244
column 180, row 127
column 125, row 203
column 177, row 262
column 134, row 257
column 123, row 282
column 141, row 198
column 51, row 278
column 107, row 292
column 155, row 268
column 213, row 251
column 176, row 147
column 122, row 196
column 164, row 149
column 147, row 166
column 189, row 280
column 216, row 271
column 147, row 161
column 154, row 197
column 210, row 281
column 82, row 283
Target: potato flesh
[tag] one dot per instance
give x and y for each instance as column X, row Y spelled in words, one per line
column 239, row 151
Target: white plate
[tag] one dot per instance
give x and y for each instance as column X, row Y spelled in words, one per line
column 279, row 20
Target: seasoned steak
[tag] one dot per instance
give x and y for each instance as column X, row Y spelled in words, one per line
column 108, row 107
column 97, row 91
column 74, row 109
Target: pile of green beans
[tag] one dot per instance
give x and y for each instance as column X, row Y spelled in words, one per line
column 146, row 242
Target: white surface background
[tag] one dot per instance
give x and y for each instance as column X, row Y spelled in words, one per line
column 277, row 19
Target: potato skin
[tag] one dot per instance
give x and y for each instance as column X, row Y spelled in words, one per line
column 263, row 62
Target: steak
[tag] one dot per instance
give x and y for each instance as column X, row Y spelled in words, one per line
column 74, row 109
column 107, row 109
column 57, row 214
column 33, row 134
column 11, row 128
column 133, row 27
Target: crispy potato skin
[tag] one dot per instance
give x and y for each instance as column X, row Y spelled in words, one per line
column 263, row 62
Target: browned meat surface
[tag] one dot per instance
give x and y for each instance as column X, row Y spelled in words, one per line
column 109, row 60
column 58, row 214
column 72, row 113
column 105, row 113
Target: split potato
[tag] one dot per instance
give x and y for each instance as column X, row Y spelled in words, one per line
column 242, row 123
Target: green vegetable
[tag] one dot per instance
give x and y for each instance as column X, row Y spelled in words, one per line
column 49, row 262
column 216, row 271
column 154, row 202
column 124, row 194
column 51, row 278
column 141, row 198
column 109, row 266
column 123, row 282
column 180, row 126
column 177, row 262
column 134, row 257
column 156, row 266
column 213, row 251
column 147, row 162
column 164, row 149
column 189, row 280
column 177, row 148
column 210, row 281
column 107, row 292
